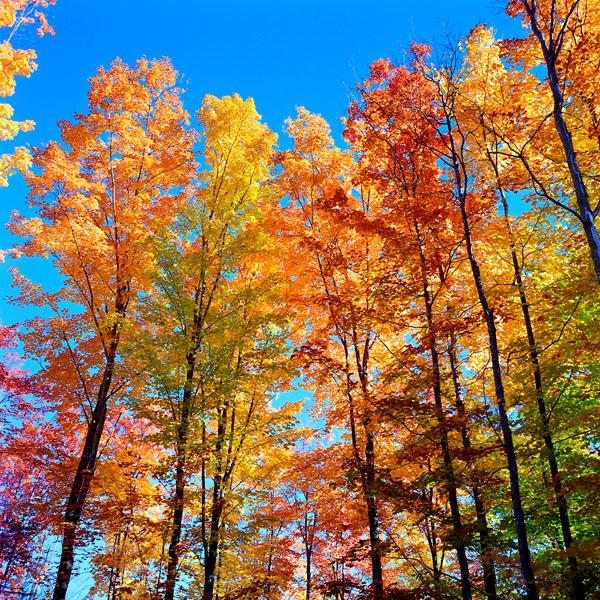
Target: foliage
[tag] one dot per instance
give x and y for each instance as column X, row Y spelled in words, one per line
column 450, row 347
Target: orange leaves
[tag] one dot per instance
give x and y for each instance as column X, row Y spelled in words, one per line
column 17, row 13
column 315, row 168
column 102, row 193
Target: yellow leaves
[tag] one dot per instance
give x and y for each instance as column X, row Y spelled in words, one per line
column 8, row 13
column 10, row 163
column 315, row 170
column 483, row 55
column 235, row 141
column 8, row 128
column 13, row 62
column 16, row 13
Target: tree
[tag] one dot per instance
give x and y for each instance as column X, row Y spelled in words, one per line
column 99, row 198
column 389, row 129
column 567, row 35
column 334, row 269
column 448, row 145
column 209, row 319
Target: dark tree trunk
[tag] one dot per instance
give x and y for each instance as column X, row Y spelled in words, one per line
column 509, row 448
column 84, row 474
column 551, row 48
column 373, row 515
column 308, row 572
column 180, row 480
column 210, row 563
column 561, row 501
column 218, row 503
column 173, row 552
column 308, row 536
column 437, row 556
column 366, row 468
column 459, row 172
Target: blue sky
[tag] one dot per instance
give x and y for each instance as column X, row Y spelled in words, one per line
column 283, row 54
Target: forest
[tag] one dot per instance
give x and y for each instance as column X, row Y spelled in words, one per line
column 447, row 445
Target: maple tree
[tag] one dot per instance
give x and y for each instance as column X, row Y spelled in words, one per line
column 98, row 199
column 568, row 39
column 337, row 276
column 383, row 129
column 456, row 134
column 535, row 366
column 211, row 344
column 197, row 279
column 497, row 143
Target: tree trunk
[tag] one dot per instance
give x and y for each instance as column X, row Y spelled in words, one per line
column 218, row 503
column 210, row 562
column 366, row 469
column 308, row 572
column 83, row 476
column 182, row 442
column 551, row 49
column 308, row 536
column 460, row 182
column 437, row 557
column 180, row 481
column 509, row 449
column 373, row 515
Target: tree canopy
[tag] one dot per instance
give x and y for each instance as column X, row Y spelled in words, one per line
column 445, row 345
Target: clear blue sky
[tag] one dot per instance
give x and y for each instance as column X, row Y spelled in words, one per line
column 282, row 53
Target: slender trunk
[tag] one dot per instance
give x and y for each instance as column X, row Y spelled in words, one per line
column 489, row 569
column 115, row 569
column 369, row 467
column 561, row 501
column 367, row 474
column 83, row 476
column 173, row 552
column 460, row 181
column 509, row 448
column 203, row 494
column 433, row 541
column 210, row 563
column 218, row 503
column 180, row 481
column 182, row 442
column 366, row 468
column 308, row 547
column 308, row 571
column 373, row 515
column 458, row 541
